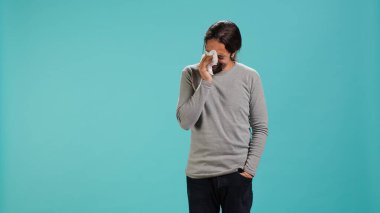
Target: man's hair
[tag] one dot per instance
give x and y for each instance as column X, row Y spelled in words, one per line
column 227, row 33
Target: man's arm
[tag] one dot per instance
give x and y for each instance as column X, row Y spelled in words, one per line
column 190, row 102
column 258, row 119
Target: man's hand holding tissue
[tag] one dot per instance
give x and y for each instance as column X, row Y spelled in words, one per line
column 205, row 75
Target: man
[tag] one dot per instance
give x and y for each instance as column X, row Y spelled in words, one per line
column 227, row 115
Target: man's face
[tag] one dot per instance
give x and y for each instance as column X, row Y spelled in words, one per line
column 223, row 54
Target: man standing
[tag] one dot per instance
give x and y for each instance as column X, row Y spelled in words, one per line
column 227, row 115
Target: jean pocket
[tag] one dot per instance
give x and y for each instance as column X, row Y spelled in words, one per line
column 239, row 173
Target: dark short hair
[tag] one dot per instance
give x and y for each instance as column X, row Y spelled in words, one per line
column 227, row 33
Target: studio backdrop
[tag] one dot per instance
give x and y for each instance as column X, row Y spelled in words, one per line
column 88, row 95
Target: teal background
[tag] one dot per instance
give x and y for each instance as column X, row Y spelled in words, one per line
column 88, row 93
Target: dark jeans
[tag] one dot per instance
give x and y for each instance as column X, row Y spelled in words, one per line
column 233, row 192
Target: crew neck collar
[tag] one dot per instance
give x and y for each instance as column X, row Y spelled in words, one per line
column 227, row 71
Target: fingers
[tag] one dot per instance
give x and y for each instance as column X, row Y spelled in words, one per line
column 206, row 59
column 245, row 174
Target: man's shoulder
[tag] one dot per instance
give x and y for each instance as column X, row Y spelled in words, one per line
column 191, row 68
column 248, row 70
column 191, row 72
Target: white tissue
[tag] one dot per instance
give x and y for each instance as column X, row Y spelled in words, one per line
column 214, row 61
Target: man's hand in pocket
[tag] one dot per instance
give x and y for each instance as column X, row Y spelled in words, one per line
column 246, row 174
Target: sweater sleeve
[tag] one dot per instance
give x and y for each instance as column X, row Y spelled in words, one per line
column 190, row 103
column 258, row 119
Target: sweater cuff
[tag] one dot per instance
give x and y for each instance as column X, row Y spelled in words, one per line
column 246, row 169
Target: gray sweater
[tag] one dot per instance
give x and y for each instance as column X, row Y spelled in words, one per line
column 228, row 120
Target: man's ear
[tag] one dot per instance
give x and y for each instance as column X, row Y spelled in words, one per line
column 232, row 56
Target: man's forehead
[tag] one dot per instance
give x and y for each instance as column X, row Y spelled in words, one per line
column 214, row 44
column 218, row 50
